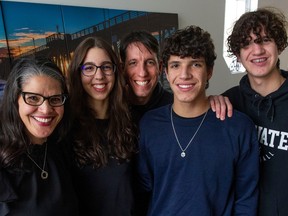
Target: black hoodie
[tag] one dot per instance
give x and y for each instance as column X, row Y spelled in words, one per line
column 270, row 115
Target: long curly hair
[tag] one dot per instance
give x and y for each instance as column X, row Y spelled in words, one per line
column 87, row 137
column 269, row 19
column 14, row 141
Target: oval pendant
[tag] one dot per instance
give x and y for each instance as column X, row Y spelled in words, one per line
column 44, row 174
column 183, row 154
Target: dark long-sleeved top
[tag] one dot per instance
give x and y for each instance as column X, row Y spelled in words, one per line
column 219, row 174
column 25, row 193
column 270, row 116
column 107, row 190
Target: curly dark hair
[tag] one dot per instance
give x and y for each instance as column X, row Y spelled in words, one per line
column 270, row 20
column 190, row 42
column 87, row 138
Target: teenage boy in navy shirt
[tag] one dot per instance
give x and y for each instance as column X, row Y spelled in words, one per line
column 189, row 161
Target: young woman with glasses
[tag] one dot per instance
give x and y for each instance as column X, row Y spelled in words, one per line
column 103, row 136
column 34, row 178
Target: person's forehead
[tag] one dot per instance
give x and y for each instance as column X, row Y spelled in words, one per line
column 175, row 58
column 36, row 81
column 137, row 48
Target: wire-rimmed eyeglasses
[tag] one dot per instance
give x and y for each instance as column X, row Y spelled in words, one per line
column 35, row 99
column 90, row 69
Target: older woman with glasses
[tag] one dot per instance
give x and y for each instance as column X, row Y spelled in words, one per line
column 34, row 177
column 103, row 136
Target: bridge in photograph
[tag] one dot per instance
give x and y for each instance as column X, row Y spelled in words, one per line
column 60, row 46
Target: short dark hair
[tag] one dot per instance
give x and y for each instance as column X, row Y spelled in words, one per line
column 270, row 20
column 144, row 37
column 190, row 42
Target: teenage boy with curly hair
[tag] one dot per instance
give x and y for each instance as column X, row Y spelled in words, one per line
column 190, row 162
column 257, row 39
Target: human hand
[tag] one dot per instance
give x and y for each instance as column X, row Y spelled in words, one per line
column 221, row 105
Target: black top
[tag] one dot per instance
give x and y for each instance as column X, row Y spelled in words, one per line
column 270, row 116
column 26, row 193
column 160, row 97
column 105, row 191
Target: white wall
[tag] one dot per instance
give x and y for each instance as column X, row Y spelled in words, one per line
column 208, row 14
column 283, row 6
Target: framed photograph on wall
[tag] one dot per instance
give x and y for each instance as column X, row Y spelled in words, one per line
column 4, row 53
column 54, row 31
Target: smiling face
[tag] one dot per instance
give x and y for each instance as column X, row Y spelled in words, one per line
column 259, row 59
column 187, row 78
column 98, row 86
column 142, row 71
column 40, row 121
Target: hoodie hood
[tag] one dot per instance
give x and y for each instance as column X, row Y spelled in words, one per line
column 264, row 106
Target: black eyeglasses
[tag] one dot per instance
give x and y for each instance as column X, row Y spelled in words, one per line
column 34, row 99
column 90, row 69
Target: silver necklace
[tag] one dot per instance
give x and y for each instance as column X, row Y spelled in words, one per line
column 44, row 174
column 183, row 154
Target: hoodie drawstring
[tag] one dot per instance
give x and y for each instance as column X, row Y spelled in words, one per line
column 264, row 102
